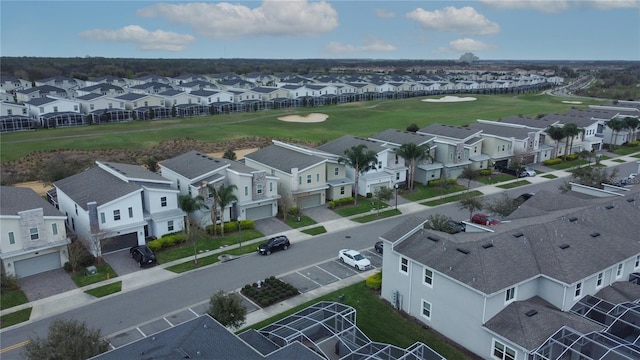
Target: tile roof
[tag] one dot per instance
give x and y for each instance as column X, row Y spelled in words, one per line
column 399, row 137
column 194, row 164
column 284, row 159
column 340, row 145
column 16, row 199
column 94, row 184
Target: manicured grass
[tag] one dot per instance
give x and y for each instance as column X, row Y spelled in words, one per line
column 210, row 259
column 15, row 318
column 343, row 119
column 569, row 164
column 315, row 231
column 104, row 272
column 636, row 156
column 514, row 184
column 206, row 243
column 379, row 321
column 293, row 222
column 494, row 179
column 626, row 150
column 618, row 160
column 549, row 176
column 450, row 199
column 365, row 205
column 377, row 216
column 11, row 298
column 105, row 290
column 421, row 192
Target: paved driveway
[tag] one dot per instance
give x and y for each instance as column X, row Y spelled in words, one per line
column 121, row 262
column 46, row 284
column 270, row 226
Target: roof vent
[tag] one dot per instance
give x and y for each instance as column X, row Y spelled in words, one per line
column 631, row 200
column 564, row 246
column 531, row 312
column 488, row 245
column 609, row 207
column 464, row 251
column 518, row 234
column 595, row 234
column 573, row 219
column 433, row 238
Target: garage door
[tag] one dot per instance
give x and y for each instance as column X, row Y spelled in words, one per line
column 309, row 201
column 259, row 212
column 119, row 242
column 38, row 264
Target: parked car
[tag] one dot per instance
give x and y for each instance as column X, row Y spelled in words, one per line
column 527, row 171
column 275, row 243
column 484, row 219
column 519, row 171
column 454, row 227
column 379, row 247
column 143, row 255
column 354, row 258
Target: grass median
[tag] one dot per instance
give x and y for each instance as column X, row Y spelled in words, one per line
column 452, row 198
column 105, row 290
column 15, row 318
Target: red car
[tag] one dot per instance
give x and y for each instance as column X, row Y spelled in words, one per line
column 484, row 219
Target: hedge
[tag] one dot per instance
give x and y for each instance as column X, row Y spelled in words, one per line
column 167, row 241
column 339, row 202
column 374, row 281
column 632, row 144
column 486, row 172
column 573, row 157
column 232, row 226
column 552, row 161
column 435, row 183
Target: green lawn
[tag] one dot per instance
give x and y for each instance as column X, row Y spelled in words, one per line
column 293, row 222
column 549, row 176
column 494, row 179
column 569, row 164
column 450, row 199
column 11, row 298
column 210, row 259
column 365, row 205
column 104, row 272
column 514, row 184
column 377, row 216
column 206, row 243
column 105, row 290
column 15, row 318
column 421, row 192
column 315, row 231
column 379, row 321
column 626, row 150
column 343, row 119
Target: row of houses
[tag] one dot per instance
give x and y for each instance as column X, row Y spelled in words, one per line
column 61, row 101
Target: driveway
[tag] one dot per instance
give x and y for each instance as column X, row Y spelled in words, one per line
column 321, row 214
column 270, row 226
column 48, row 283
column 121, row 262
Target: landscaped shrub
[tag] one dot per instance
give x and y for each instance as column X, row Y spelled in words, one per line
column 67, row 267
column 232, row 226
column 294, row 211
column 332, row 204
column 270, row 292
column 345, row 201
column 552, row 161
column 374, row 281
column 369, row 195
column 436, row 183
column 87, row 260
column 8, row 283
column 632, row 144
column 167, row 241
column 486, row 172
column 572, row 157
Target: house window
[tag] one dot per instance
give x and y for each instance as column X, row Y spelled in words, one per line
column 599, row 280
column 146, row 103
column 178, row 183
column 308, row 179
column 299, row 180
column 33, row 232
column 510, row 295
column 317, row 177
column 54, row 228
column 41, row 110
column 379, row 164
column 475, row 149
column 619, row 270
column 92, row 106
column 75, row 107
column 397, row 159
column 9, row 112
column 170, row 225
column 428, row 277
column 163, row 201
column 273, row 172
column 637, row 263
column 578, row 290
column 12, row 238
column 116, row 215
column 130, row 212
column 397, row 176
column 102, row 218
column 503, row 352
column 76, row 207
column 426, row 309
column 336, row 171
column 341, row 190
column 259, row 189
column 404, row 265
column 246, row 191
column 135, row 104
column 24, row 111
column 55, row 109
column 270, row 187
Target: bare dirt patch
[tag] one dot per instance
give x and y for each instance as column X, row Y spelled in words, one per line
column 309, row 118
column 38, row 186
column 240, row 154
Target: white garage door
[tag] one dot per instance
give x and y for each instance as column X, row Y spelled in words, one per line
column 38, row 264
column 259, row 212
column 309, row 201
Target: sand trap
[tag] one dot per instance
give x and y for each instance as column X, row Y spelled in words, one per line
column 239, row 153
column 572, row 102
column 309, row 118
column 449, row 99
column 37, row 186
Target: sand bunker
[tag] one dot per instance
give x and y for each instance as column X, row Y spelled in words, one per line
column 239, row 153
column 572, row 102
column 309, row 118
column 449, row 99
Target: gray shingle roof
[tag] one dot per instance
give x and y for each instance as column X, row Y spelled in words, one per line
column 131, row 96
column 399, row 137
column 135, row 172
column 96, row 185
column 528, row 122
column 502, row 131
column 454, row 132
column 338, row 146
column 90, row 96
column 194, row 164
column 582, row 121
column 284, row 159
column 17, row 199
column 620, row 292
column 171, row 92
column 41, row 101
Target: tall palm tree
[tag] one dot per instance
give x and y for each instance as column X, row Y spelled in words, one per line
column 213, row 194
column 556, row 134
column 570, row 131
column 632, row 124
column 225, row 196
column 413, row 154
column 189, row 205
column 361, row 160
column 616, row 125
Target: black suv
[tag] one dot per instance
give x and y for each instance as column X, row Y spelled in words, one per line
column 143, row 255
column 275, row 243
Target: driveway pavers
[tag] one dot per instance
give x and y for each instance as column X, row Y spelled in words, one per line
column 121, row 262
column 46, row 284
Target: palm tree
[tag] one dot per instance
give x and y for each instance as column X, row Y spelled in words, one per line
column 189, row 205
column 413, row 154
column 556, row 134
column 570, row 131
column 632, row 124
column 361, row 161
column 225, row 197
column 616, row 125
column 470, row 174
column 213, row 194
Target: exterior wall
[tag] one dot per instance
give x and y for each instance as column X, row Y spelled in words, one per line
column 180, row 99
column 54, row 106
column 15, row 109
column 497, row 147
column 100, row 104
column 152, row 200
column 317, row 175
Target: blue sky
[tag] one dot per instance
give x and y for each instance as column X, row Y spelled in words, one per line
column 299, row 29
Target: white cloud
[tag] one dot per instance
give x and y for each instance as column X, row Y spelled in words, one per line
column 555, row 6
column 369, row 45
column 465, row 20
column 614, row 4
column 385, row 14
column 225, row 21
column 463, row 46
column 142, row 38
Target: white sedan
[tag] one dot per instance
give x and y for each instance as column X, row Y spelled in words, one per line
column 354, row 258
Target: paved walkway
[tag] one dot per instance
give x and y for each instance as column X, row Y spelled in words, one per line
column 75, row 298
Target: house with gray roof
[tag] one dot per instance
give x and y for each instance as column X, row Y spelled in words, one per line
column 457, row 148
column 28, row 94
column 525, row 289
column 100, row 88
column 51, row 112
column 590, row 137
column 114, row 206
column 101, row 109
column 14, row 117
column 603, row 116
column 504, row 144
column 193, row 172
column 34, row 238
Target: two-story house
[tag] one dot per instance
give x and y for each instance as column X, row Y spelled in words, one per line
column 54, row 112
column 143, row 106
column 506, row 294
column 191, row 173
column 591, row 131
column 537, row 126
column 503, row 144
column 103, row 109
column 456, row 148
column 27, row 94
column 114, row 206
column 14, row 117
column 33, row 238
